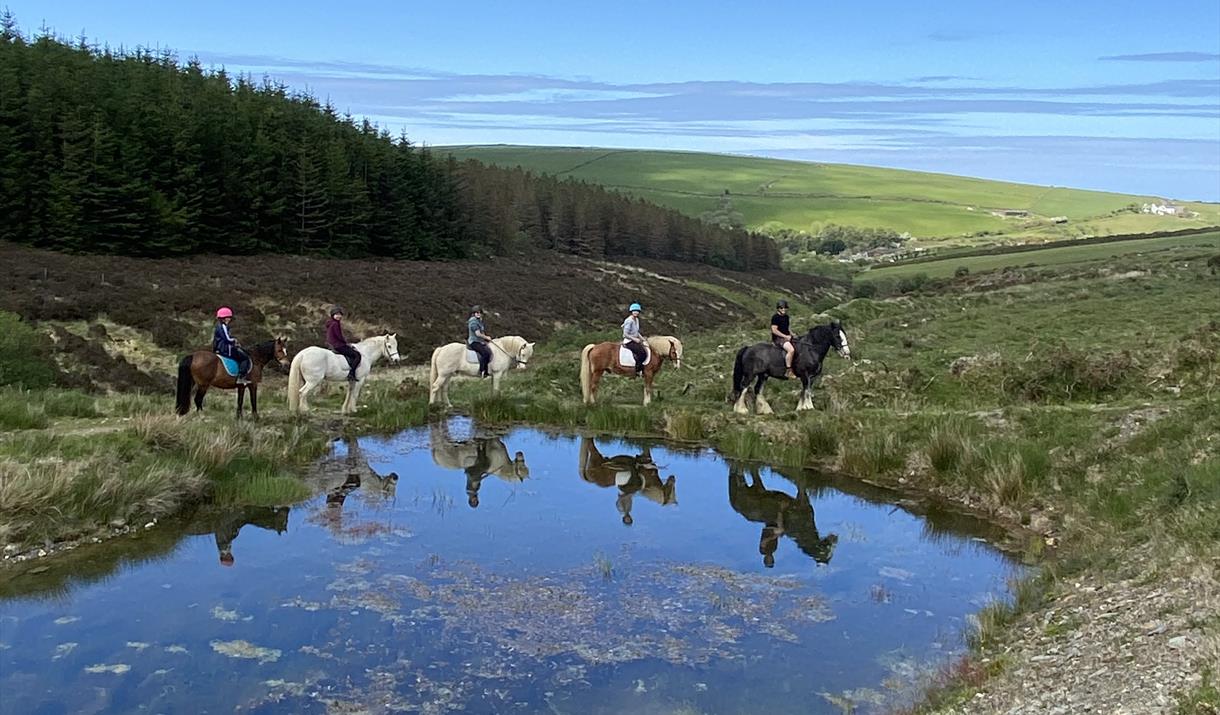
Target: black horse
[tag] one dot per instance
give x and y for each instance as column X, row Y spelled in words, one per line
column 758, row 362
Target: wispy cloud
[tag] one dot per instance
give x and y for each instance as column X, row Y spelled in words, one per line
column 912, row 121
column 1165, row 57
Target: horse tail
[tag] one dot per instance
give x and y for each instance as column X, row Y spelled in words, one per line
column 586, row 374
column 739, row 372
column 294, row 383
column 185, row 383
column 433, row 372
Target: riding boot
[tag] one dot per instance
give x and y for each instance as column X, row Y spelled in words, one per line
column 351, row 374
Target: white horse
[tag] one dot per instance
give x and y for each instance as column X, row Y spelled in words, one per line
column 314, row 364
column 508, row 352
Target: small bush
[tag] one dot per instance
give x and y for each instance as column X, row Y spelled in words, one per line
column 961, row 272
column 864, row 289
column 24, row 355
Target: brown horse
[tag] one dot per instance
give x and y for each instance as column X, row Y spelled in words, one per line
column 202, row 369
column 598, row 359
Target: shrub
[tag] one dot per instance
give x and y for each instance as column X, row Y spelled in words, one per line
column 961, row 271
column 24, row 355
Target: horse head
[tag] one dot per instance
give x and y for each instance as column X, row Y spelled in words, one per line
column 520, row 469
column 280, row 352
column 838, row 338
column 675, row 352
column 389, row 347
column 524, row 353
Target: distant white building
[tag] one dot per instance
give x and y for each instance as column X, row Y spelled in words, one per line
column 1165, row 209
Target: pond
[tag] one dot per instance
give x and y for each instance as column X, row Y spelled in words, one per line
column 457, row 569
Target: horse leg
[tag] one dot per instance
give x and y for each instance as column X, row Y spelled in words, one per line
column 761, row 406
column 353, row 394
column 647, row 387
column 804, row 403
column 254, row 401
column 241, row 398
column 200, row 391
column 306, row 389
column 434, row 390
column 495, row 381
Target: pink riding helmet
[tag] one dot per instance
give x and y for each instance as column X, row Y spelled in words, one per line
column 224, row 312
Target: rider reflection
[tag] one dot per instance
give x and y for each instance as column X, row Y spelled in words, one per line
column 226, row 524
column 780, row 514
column 630, row 474
column 479, row 457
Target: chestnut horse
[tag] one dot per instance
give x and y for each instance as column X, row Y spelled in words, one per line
column 600, row 358
column 202, row 369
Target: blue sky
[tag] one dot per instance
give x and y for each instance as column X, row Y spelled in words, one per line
column 1117, row 95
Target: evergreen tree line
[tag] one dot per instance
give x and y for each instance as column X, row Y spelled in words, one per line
column 135, row 153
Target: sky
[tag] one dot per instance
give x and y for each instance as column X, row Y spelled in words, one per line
column 1116, row 95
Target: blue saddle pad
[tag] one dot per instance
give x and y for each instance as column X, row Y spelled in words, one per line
column 230, row 365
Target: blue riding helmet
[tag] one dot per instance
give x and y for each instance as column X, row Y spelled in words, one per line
column 635, row 306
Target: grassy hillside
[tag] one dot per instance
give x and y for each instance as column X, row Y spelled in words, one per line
column 803, row 195
column 1164, row 246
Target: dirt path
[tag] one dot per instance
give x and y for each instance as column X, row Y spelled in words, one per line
column 1108, row 644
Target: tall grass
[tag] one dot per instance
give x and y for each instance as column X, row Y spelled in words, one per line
column 875, row 452
column 684, row 425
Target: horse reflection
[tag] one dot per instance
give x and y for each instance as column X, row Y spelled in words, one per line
column 632, row 474
column 342, row 475
column 479, row 457
column 226, row 523
column 780, row 515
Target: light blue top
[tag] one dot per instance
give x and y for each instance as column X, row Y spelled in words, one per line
column 631, row 328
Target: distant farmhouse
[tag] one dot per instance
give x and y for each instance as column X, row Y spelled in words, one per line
column 1010, row 213
column 1162, row 209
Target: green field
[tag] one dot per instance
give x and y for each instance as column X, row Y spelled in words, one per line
column 936, row 208
column 1061, row 256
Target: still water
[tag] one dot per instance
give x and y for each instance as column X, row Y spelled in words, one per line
column 451, row 569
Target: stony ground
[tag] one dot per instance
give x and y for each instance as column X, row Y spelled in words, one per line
column 1115, row 646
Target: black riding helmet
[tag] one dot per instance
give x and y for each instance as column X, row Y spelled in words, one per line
column 336, row 310
column 476, row 309
column 781, row 304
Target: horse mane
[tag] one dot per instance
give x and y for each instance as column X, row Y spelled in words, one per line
column 510, row 342
column 660, row 343
column 264, row 349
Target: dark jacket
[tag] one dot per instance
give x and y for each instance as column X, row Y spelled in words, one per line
column 222, row 342
column 334, row 334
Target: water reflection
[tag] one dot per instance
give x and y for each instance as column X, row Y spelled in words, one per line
column 631, row 474
column 779, row 513
column 343, row 474
column 479, row 457
column 225, row 523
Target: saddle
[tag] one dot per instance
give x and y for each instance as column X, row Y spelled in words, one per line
column 472, row 357
column 230, row 365
column 626, row 358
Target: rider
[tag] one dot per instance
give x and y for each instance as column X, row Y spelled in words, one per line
column 224, row 344
column 477, row 339
column 781, row 334
column 338, row 342
column 632, row 339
